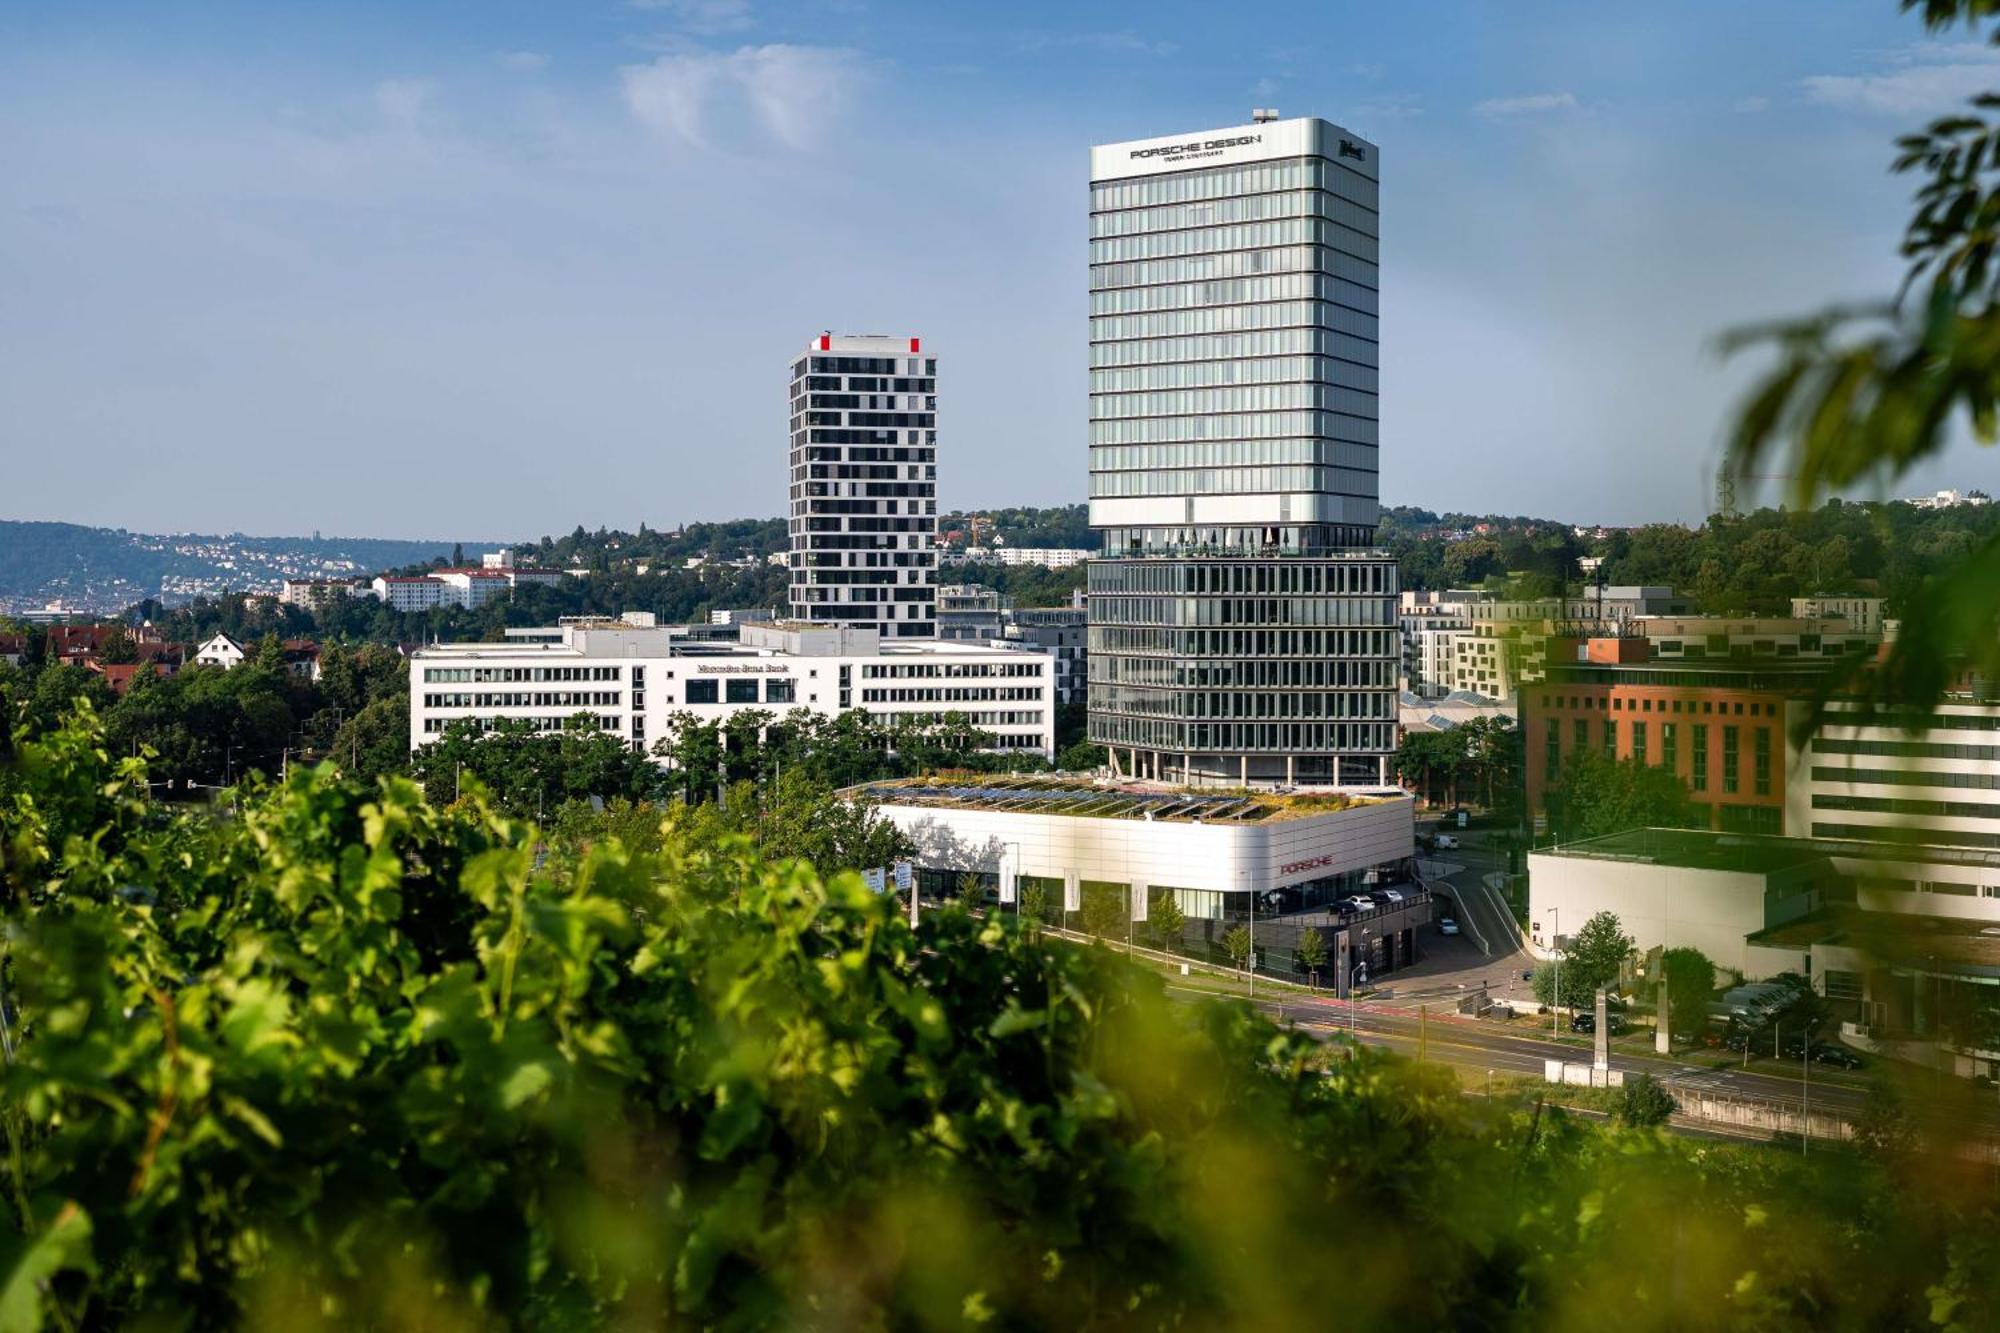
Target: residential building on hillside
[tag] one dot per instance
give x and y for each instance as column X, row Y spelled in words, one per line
column 1863, row 614
column 1242, row 625
column 221, row 651
column 1950, row 499
column 467, row 586
column 1471, row 641
column 314, row 594
column 864, row 485
column 632, row 681
column 1048, row 557
column 419, row 592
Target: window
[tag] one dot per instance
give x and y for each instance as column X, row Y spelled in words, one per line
column 740, row 691
column 1730, row 755
column 1670, row 751
column 780, row 691
column 1639, row 741
column 1698, row 773
column 1610, row 738
column 1762, row 759
column 1581, row 727
column 702, row 692
column 1552, row 750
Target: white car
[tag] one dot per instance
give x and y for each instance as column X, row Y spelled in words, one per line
column 1447, row 926
column 1446, row 842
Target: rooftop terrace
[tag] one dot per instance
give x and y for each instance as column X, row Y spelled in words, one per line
column 1088, row 800
column 1759, row 853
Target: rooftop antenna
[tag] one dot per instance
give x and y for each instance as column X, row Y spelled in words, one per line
column 1264, row 115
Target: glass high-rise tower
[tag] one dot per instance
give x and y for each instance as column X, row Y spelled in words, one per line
column 1242, row 626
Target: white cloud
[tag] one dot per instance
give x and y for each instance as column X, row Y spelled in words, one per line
column 526, row 62
column 1532, row 104
column 1916, row 80
column 1124, row 42
column 402, row 101
column 794, row 91
column 707, row 17
column 1384, row 107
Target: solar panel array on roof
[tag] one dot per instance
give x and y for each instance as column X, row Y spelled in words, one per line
column 1081, row 802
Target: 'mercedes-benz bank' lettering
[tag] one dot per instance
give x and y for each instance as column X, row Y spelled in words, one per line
column 1173, row 150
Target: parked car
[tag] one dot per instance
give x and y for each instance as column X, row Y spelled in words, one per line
column 1363, row 903
column 1614, row 1023
column 1447, row 926
column 1446, row 842
column 1838, row 1056
column 1393, row 897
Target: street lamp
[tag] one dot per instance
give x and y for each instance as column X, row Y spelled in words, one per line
column 1555, row 950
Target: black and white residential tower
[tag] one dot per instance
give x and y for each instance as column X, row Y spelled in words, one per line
column 864, row 485
column 1242, row 625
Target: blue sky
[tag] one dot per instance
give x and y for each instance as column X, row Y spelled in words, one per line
column 500, row 267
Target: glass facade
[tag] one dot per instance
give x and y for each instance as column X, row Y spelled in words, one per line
column 1241, row 626
column 864, row 485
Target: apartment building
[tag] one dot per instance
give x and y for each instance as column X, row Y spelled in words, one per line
column 863, row 518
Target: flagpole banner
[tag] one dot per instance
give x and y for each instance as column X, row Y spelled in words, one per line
column 1141, row 895
column 1007, row 885
column 1072, row 892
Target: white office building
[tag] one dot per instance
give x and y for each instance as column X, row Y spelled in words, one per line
column 864, row 485
column 1242, row 623
column 1931, row 777
column 633, row 680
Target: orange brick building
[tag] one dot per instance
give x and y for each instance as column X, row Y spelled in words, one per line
column 1718, row 724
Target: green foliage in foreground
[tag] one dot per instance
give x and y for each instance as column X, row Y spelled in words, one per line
column 354, row 1060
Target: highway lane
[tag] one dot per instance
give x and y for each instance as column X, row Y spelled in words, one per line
column 1474, row 1045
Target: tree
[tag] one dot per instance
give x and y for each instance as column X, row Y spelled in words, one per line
column 1166, row 923
column 1594, row 957
column 807, row 819
column 1595, row 796
column 1311, row 952
column 1236, row 942
column 1645, row 1103
column 1034, row 903
column 481, row 1060
column 1081, row 757
column 1106, row 909
column 1689, row 977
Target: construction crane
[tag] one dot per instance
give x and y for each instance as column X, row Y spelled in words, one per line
column 1725, row 487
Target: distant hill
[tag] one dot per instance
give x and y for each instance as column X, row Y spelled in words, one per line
column 106, row 569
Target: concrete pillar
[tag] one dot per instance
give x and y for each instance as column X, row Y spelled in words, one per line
column 1663, row 1024
column 1243, row 770
column 1291, row 770
column 1601, row 1056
